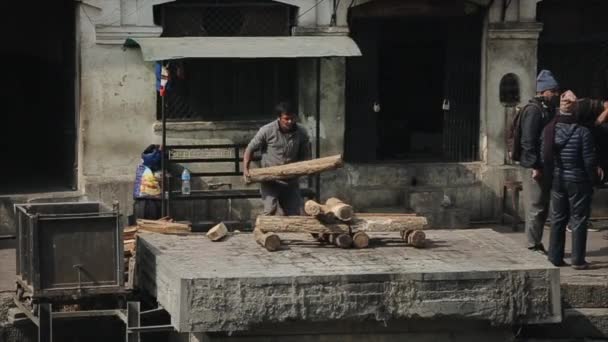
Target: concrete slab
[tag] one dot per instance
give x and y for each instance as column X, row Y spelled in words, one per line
column 580, row 288
column 236, row 285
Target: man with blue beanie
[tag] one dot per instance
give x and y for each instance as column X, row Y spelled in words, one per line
column 537, row 189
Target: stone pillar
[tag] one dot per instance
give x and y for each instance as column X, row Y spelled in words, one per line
column 332, row 94
column 511, row 48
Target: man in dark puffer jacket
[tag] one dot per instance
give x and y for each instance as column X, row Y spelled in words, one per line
column 568, row 153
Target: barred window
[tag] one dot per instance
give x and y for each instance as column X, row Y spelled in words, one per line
column 225, row 18
column 228, row 89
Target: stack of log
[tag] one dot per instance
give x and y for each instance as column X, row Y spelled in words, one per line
column 336, row 223
column 164, row 225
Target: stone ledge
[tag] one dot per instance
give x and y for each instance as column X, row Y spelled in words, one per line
column 321, row 31
column 197, row 126
column 117, row 35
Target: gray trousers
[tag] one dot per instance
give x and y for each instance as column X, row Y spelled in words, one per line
column 281, row 198
column 538, row 197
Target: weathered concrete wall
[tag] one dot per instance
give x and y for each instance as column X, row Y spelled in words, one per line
column 117, row 110
column 453, row 278
column 511, row 48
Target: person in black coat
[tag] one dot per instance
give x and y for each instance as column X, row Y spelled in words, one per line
column 536, row 188
column 568, row 154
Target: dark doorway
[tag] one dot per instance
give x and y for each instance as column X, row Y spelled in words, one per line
column 414, row 94
column 410, row 121
column 38, row 125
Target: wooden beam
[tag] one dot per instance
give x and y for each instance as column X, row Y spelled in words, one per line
column 294, row 170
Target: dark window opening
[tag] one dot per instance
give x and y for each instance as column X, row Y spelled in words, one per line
column 509, row 90
column 228, row 89
column 38, row 129
column 425, row 74
column 577, row 53
column 410, row 123
column 225, row 18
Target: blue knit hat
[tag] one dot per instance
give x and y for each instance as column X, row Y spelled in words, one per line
column 545, row 81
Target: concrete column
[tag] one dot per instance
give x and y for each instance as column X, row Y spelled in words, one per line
column 333, row 86
column 527, row 10
column 511, row 48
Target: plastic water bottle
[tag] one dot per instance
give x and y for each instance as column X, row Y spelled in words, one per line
column 186, row 182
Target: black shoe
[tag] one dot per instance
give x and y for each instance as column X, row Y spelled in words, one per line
column 538, row 249
column 562, row 263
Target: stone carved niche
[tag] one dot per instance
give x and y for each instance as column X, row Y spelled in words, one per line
column 509, row 92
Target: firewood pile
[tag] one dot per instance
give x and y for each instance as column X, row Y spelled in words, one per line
column 164, row 225
column 335, row 223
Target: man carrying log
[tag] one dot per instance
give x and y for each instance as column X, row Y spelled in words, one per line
column 281, row 142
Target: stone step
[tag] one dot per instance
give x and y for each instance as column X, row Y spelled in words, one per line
column 588, row 295
column 578, row 323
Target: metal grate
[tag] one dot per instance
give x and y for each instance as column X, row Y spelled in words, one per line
column 230, row 19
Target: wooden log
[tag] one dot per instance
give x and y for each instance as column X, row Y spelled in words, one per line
column 218, row 232
column 162, row 226
column 270, row 241
column 360, row 240
column 415, row 238
column 294, row 170
column 333, row 208
column 308, row 224
column 340, row 210
column 313, row 208
column 342, row 240
column 298, row 224
column 389, row 223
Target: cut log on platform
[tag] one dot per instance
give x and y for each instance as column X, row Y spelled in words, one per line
column 388, row 223
column 308, row 224
column 415, row 238
column 313, row 208
column 162, row 226
column 342, row 240
column 293, row 170
column 334, row 208
column 360, row 240
column 340, row 210
column 270, row 241
column 298, row 224
column 218, row 232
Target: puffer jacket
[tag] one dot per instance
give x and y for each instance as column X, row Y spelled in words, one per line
column 574, row 150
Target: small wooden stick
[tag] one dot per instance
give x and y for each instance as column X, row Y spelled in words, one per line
column 360, row 240
column 270, row 241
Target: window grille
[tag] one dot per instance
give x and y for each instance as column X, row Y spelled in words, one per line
column 226, row 19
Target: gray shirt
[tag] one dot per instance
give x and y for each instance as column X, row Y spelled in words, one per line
column 280, row 148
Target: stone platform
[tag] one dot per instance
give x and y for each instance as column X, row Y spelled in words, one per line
column 235, row 285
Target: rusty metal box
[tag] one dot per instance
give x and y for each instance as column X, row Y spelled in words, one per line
column 69, row 249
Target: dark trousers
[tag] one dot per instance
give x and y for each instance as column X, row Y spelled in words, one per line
column 570, row 203
column 281, row 198
column 147, row 208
